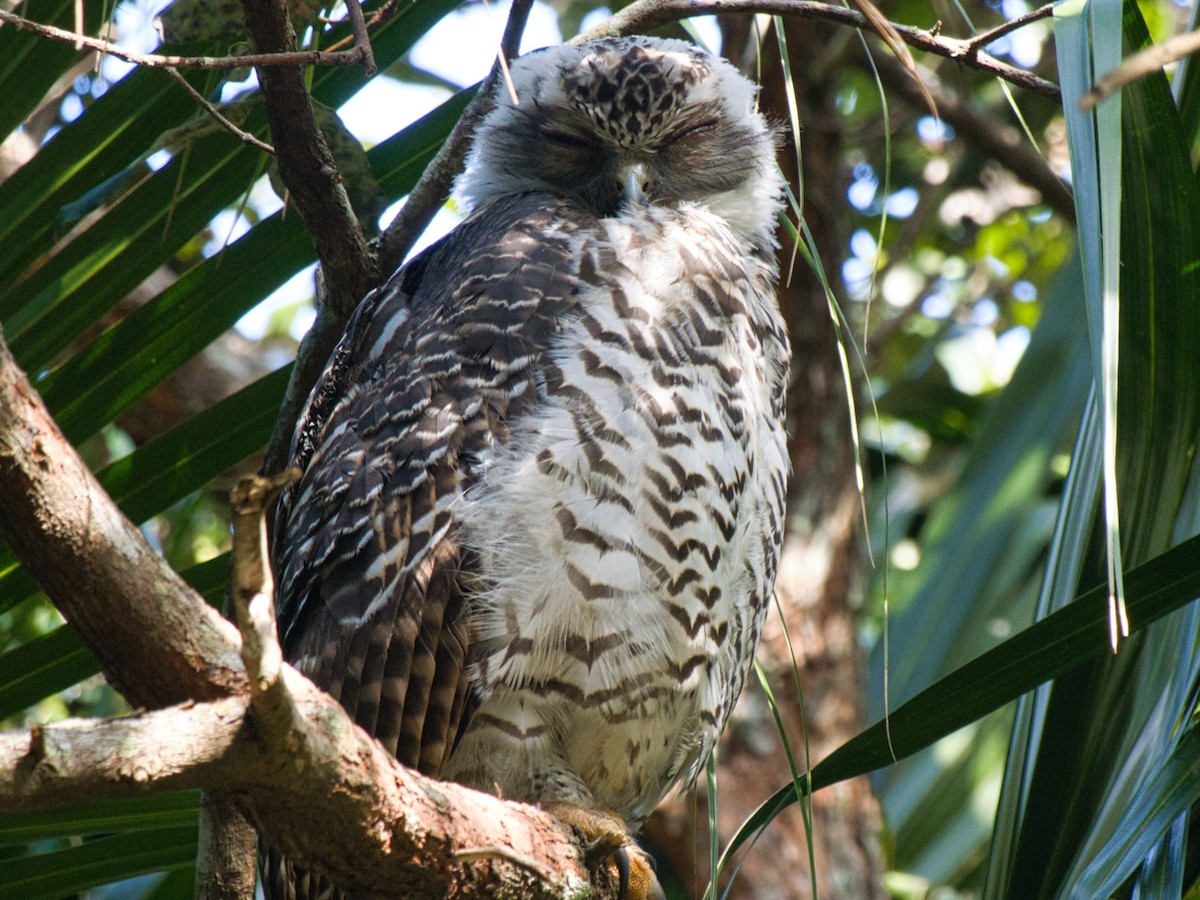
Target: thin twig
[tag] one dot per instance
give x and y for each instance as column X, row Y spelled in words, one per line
column 362, row 40
column 971, row 46
column 1141, row 64
column 637, row 17
column 253, row 587
column 431, row 190
column 244, row 136
column 644, row 15
column 157, row 60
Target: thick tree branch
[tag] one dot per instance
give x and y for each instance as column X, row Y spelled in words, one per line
column 227, row 850
column 157, row 640
column 381, row 827
column 228, row 846
column 305, row 162
column 348, row 266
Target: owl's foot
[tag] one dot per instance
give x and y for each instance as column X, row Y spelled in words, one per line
column 609, row 841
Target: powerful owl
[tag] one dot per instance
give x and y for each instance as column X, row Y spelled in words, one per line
column 544, row 471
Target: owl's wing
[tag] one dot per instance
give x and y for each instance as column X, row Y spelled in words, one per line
column 369, row 568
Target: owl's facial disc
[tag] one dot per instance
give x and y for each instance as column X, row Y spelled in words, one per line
column 587, row 118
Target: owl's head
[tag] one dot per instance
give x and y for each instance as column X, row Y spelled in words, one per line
column 630, row 120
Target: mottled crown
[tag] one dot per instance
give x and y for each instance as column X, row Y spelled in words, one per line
column 586, row 116
column 631, row 93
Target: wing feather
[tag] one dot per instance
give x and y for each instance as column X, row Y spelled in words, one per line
column 371, row 598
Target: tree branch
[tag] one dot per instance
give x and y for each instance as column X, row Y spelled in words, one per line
column 362, row 40
column 156, row 639
column 1141, row 64
column 645, row 15
column 305, row 163
column 254, row 601
column 227, row 849
column 1004, row 144
column 348, row 266
column 973, row 45
column 382, row 828
column 350, row 57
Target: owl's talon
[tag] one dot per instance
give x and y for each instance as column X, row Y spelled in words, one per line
column 635, row 875
column 621, row 858
column 609, row 841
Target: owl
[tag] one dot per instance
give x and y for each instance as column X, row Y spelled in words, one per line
column 544, row 472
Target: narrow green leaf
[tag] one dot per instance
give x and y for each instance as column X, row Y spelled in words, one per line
column 30, row 65
column 126, row 361
column 1045, row 650
column 179, row 884
column 168, row 468
column 210, row 579
column 116, row 130
column 1162, row 798
column 1163, row 872
column 42, row 667
column 154, row 215
column 100, row 861
column 176, row 809
column 994, row 504
column 399, row 161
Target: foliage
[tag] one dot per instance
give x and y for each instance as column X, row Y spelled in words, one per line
column 118, row 274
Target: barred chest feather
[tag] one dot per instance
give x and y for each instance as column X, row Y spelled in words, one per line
column 626, row 537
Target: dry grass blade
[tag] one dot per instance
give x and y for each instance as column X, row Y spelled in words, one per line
column 887, row 31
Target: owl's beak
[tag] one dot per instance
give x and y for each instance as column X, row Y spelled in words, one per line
column 635, row 179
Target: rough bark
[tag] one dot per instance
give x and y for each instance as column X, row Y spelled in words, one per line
column 158, row 642
column 382, row 827
column 305, row 162
column 225, row 867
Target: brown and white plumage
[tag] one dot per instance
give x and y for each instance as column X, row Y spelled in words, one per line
column 543, row 485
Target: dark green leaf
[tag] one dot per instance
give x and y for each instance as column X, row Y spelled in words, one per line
column 30, row 65
column 42, row 667
column 100, row 861
column 1048, row 649
column 177, row 809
